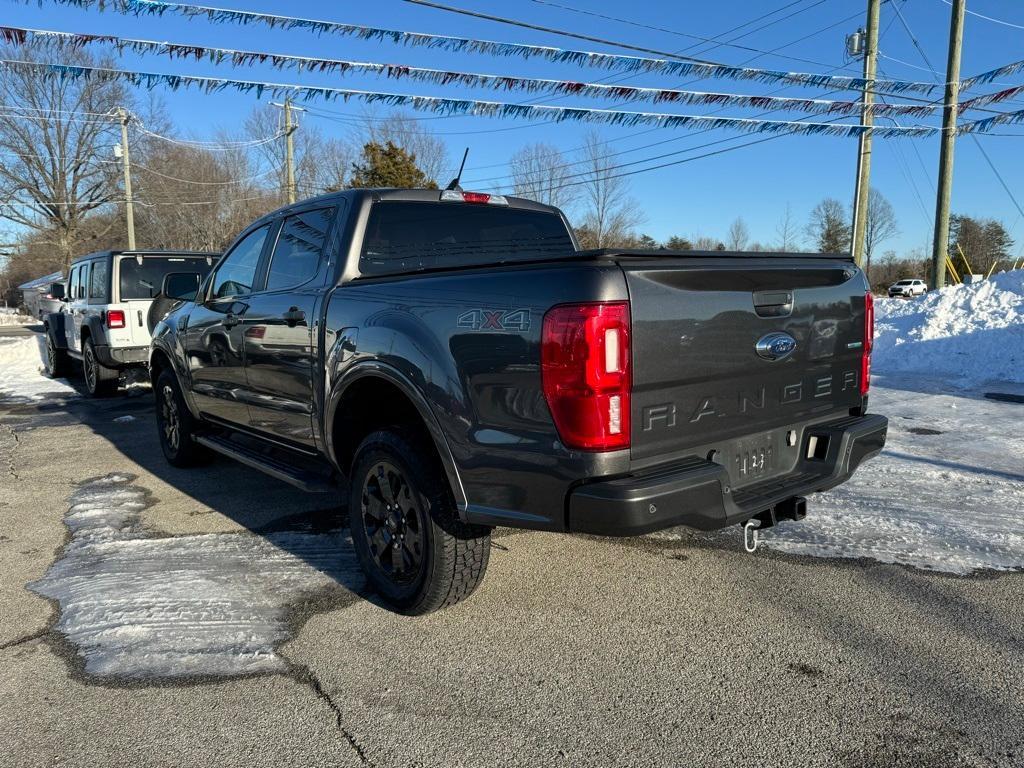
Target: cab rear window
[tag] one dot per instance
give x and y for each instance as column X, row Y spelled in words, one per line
column 143, row 281
column 403, row 236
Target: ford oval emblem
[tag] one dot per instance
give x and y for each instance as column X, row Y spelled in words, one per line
column 775, row 346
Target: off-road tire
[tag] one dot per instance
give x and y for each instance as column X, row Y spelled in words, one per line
column 176, row 425
column 58, row 364
column 453, row 555
column 100, row 381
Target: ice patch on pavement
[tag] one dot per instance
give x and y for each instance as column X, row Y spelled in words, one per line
column 21, row 370
column 124, row 419
column 970, row 333
column 214, row 604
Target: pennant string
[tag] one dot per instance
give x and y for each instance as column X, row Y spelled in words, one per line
column 468, row 79
column 469, row 107
column 452, row 44
column 993, row 74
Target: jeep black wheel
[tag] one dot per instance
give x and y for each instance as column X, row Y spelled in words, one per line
column 100, row 381
column 417, row 554
column 176, row 424
column 57, row 360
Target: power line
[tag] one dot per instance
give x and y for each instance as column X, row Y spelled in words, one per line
column 702, row 39
column 719, row 69
column 984, row 154
column 993, row 19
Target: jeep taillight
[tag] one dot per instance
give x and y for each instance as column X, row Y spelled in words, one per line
column 115, row 318
column 869, row 341
column 585, row 370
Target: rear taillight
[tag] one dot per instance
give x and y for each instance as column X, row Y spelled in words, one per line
column 586, row 373
column 115, row 318
column 869, row 341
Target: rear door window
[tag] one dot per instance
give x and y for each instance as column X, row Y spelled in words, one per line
column 299, row 249
column 99, row 282
column 404, row 236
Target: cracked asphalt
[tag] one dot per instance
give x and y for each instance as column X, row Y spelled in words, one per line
column 576, row 651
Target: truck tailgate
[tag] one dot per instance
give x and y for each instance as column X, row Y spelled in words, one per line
column 698, row 377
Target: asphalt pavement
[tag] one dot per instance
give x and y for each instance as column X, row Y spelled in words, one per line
column 576, row 651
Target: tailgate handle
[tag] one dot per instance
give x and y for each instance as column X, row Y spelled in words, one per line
column 773, row 303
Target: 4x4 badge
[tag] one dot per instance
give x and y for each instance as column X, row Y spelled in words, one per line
column 495, row 320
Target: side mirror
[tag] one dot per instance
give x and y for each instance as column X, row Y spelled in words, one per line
column 181, row 286
column 56, row 290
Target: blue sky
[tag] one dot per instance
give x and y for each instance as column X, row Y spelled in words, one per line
column 699, row 197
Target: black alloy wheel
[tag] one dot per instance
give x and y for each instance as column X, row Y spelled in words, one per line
column 170, row 418
column 393, row 523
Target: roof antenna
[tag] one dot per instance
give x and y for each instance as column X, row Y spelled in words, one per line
column 454, row 183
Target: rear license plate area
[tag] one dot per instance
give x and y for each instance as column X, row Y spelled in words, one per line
column 753, row 459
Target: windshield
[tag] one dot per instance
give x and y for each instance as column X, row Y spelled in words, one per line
column 144, row 281
column 904, row 282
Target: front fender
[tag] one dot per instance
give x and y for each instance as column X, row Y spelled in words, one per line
column 165, row 341
column 364, row 368
column 54, row 324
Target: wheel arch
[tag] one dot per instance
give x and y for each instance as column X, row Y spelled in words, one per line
column 369, row 385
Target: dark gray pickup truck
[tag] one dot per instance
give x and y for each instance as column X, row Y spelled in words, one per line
column 457, row 363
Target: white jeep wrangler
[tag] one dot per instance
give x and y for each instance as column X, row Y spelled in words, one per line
column 104, row 316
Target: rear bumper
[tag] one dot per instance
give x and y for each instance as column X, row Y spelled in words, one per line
column 696, row 492
column 121, row 357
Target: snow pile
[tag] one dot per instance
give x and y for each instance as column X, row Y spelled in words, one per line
column 11, row 317
column 21, row 370
column 215, row 604
column 969, row 333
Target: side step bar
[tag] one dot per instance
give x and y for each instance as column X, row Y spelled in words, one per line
column 311, row 482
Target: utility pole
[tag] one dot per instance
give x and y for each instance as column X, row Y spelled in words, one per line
column 946, row 142
column 290, row 126
column 129, row 208
column 863, row 190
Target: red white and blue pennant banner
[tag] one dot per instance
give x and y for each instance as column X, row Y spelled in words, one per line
column 24, row 36
column 444, row 106
column 490, row 47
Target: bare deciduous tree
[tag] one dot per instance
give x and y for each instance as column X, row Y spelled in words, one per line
column 540, row 172
column 408, row 133
column 192, row 197
column 610, row 214
column 879, row 227
column 786, row 229
column 829, row 226
column 59, row 164
column 738, row 236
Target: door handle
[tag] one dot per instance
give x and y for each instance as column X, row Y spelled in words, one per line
column 294, row 316
column 230, row 320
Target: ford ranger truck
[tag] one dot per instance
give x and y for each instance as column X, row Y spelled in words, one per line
column 451, row 361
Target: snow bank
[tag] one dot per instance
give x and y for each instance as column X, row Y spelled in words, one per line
column 11, row 317
column 215, row 604
column 969, row 334
column 21, row 370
